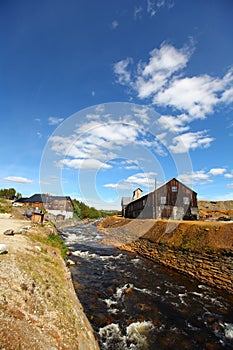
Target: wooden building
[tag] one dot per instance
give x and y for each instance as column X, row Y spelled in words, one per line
column 57, row 206
column 173, row 200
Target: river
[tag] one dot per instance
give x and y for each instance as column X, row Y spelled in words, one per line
column 134, row 303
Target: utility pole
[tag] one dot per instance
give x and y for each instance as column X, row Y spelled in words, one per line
column 155, row 200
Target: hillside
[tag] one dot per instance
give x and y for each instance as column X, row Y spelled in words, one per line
column 215, row 210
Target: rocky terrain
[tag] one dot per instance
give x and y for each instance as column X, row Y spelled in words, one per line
column 39, row 309
column 215, row 210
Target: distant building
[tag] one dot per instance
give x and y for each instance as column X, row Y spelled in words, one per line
column 172, row 200
column 58, row 206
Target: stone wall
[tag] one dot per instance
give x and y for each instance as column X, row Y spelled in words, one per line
column 211, row 267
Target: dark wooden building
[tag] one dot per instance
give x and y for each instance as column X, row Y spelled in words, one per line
column 173, row 200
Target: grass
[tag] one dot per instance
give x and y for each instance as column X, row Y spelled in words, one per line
column 52, row 240
column 5, row 206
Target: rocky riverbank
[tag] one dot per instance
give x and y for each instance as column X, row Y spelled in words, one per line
column 203, row 250
column 39, row 309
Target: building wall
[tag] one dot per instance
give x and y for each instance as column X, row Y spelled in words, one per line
column 173, row 200
column 67, row 214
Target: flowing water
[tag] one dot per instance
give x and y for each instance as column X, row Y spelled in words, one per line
column 134, row 303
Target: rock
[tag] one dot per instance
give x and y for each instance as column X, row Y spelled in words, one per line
column 26, row 227
column 3, row 249
column 37, row 247
column 9, row 232
column 70, row 262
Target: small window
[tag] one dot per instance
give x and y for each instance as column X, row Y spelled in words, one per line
column 186, row 200
column 163, row 200
column 174, row 188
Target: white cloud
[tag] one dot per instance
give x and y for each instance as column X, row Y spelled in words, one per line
column 190, row 141
column 119, row 186
column 95, row 140
column 195, row 177
column 162, row 79
column 217, row 171
column 54, row 120
column 229, row 176
column 115, row 24
column 197, row 96
column 17, row 179
column 173, row 124
column 84, row 164
column 230, row 186
column 39, row 134
column 146, row 179
column 142, row 114
column 142, row 179
column 163, row 63
column 138, row 12
column 120, row 69
column 151, row 7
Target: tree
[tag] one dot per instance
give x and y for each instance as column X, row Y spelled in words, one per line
column 8, row 193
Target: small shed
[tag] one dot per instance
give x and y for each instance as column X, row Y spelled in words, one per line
column 37, row 217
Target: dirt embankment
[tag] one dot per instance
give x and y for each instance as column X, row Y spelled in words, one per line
column 39, row 309
column 215, row 210
column 203, row 250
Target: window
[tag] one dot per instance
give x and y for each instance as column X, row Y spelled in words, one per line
column 163, row 200
column 186, row 200
column 174, row 188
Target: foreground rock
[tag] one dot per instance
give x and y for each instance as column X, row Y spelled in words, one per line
column 203, row 250
column 39, row 309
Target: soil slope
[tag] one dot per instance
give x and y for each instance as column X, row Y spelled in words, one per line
column 195, row 235
column 39, row 309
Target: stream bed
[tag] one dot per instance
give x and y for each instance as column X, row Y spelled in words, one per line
column 134, row 303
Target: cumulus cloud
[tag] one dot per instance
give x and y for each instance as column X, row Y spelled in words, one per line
column 190, row 141
column 142, row 179
column 217, row 171
column 55, row 121
column 84, row 164
column 102, row 141
column 17, row 179
column 121, row 70
column 145, row 180
column 197, row 96
column 229, row 175
column 173, row 124
column 199, row 177
column 162, row 79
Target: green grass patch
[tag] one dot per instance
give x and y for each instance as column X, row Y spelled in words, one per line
column 57, row 242
column 52, row 240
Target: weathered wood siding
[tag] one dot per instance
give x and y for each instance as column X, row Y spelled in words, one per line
column 173, row 200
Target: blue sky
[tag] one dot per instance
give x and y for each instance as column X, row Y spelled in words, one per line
column 98, row 98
